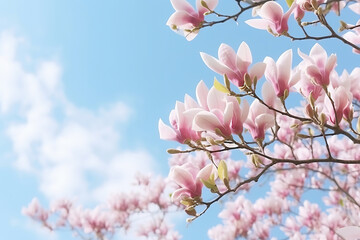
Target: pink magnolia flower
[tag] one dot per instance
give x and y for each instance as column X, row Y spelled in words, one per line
column 279, row 73
column 225, row 114
column 273, row 18
column 189, row 180
column 181, row 117
column 180, row 121
column 342, row 104
column 319, row 66
column 349, row 233
column 260, row 118
column 234, row 65
column 354, row 36
column 187, row 19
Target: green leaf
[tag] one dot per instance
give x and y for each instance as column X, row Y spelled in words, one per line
column 289, row 2
column 220, row 87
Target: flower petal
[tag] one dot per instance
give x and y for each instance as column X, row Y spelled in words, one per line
column 349, row 233
column 205, row 121
column 227, row 56
column 257, row 70
column 258, row 23
column 271, row 11
column 166, row 132
column 215, row 64
column 182, row 5
column 201, row 94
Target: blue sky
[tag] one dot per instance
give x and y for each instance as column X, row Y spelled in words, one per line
column 109, row 71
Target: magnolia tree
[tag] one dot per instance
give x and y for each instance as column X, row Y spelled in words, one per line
column 296, row 151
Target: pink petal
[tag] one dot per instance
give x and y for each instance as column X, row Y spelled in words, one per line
column 330, row 64
column 182, row 5
column 318, row 54
column 264, row 121
column 349, row 233
column 166, row 132
column 258, row 23
column 227, row 56
column 215, row 99
column 201, row 94
column 180, row 18
column 284, row 67
column 257, row 70
column 182, row 177
column 206, row 172
column 314, row 72
column 192, row 35
column 210, row 3
column 244, row 57
column 228, row 114
column 268, row 94
column 180, row 109
column 244, row 110
column 206, row 121
column 272, row 11
column 215, row 64
column 305, row 57
column 179, row 193
column 190, row 102
column 271, row 71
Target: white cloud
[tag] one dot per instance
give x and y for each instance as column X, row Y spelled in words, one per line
column 73, row 151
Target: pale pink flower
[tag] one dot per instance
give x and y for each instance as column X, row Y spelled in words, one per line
column 318, row 65
column 279, row 73
column 36, row 211
column 342, row 103
column 180, row 129
column 225, row 114
column 234, row 65
column 309, row 215
column 349, row 233
column 273, row 18
column 260, row 118
column 187, row 19
column 354, row 37
column 190, row 186
column 182, row 116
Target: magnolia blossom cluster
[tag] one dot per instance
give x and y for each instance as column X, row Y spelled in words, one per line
column 270, row 16
column 148, row 200
column 300, row 144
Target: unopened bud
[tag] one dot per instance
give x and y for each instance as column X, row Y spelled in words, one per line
column 300, row 135
column 255, row 81
column 227, row 82
column 309, row 111
column 223, row 173
column 219, row 133
column 343, row 26
column 286, row 94
column 190, row 211
column 211, row 140
column 247, row 80
column 256, row 160
column 311, row 132
column 204, row 4
column 174, row 151
column 323, row 119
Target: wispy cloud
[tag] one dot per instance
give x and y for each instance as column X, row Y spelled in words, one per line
column 72, row 151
